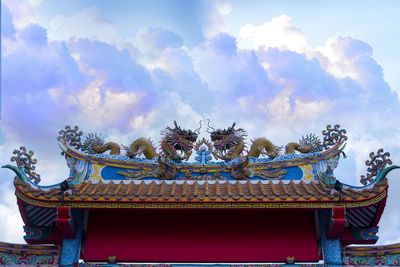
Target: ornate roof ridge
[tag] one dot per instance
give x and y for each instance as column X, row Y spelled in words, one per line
column 207, row 191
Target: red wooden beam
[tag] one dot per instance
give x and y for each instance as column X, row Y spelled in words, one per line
column 65, row 223
column 336, row 222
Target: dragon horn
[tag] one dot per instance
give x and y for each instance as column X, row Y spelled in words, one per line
column 208, row 126
column 233, row 126
column 176, row 125
column 197, row 131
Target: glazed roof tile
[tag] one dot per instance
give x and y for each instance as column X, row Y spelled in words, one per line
column 232, row 191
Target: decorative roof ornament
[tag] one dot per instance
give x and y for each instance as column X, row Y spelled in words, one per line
column 177, row 143
column 92, row 141
column 71, row 136
column 228, row 143
column 376, row 165
column 94, row 144
column 140, row 146
column 311, row 140
column 333, row 136
column 25, row 162
column 203, row 150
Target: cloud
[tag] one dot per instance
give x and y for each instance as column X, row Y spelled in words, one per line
column 194, row 21
column 307, row 77
column 231, row 75
column 11, row 227
column 7, row 26
column 119, row 70
column 22, row 11
column 152, row 41
column 174, row 71
column 35, row 68
column 102, row 107
column 349, row 57
column 215, row 12
column 34, row 35
column 279, row 32
column 88, row 24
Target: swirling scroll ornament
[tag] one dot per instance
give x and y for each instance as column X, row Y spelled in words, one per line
column 71, row 136
column 25, row 162
column 377, row 163
column 333, row 136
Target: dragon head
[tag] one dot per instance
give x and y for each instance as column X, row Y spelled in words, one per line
column 179, row 139
column 370, row 233
column 227, row 139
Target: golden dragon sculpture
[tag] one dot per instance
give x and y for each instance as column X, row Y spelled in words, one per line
column 229, row 144
column 176, row 144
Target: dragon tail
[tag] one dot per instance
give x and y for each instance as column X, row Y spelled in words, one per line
column 383, row 174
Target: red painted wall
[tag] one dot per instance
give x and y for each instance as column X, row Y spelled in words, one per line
column 189, row 235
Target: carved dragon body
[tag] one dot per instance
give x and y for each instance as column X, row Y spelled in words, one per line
column 141, row 146
column 229, row 144
column 262, row 146
column 94, row 144
column 292, row 147
column 176, row 144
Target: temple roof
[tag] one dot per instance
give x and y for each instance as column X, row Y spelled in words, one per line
column 302, row 194
column 221, row 174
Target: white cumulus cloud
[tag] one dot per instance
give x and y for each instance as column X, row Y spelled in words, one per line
column 279, row 32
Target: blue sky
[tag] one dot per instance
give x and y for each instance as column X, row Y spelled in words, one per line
column 280, row 69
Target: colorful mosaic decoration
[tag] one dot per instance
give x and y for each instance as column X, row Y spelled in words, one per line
column 19, row 259
column 196, row 265
column 385, row 260
column 307, row 172
column 37, row 255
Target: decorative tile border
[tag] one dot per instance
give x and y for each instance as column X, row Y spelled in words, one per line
column 385, row 260
column 23, row 259
column 194, row 265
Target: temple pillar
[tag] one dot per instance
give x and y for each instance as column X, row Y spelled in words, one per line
column 331, row 249
column 71, row 246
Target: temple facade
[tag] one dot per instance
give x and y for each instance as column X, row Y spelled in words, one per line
column 209, row 201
